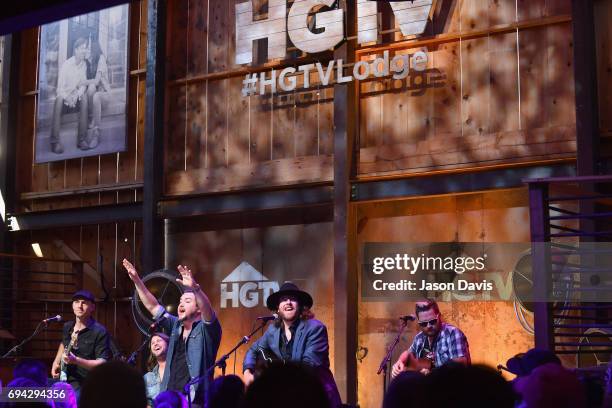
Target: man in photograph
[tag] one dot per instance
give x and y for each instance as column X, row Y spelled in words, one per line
column 71, row 88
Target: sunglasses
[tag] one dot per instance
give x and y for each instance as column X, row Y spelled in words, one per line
column 431, row 322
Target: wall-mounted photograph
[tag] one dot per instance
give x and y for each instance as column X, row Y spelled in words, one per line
column 82, row 86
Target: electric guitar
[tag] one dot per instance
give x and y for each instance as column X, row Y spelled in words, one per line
column 73, row 345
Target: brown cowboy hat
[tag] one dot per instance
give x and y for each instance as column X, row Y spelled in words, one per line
column 289, row 289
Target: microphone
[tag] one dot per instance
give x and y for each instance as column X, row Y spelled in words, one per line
column 501, row 367
column 156, row 323
column 407, row 318
column 57, row 318
column 266, row 319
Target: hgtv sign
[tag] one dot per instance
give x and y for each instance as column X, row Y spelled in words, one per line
column 247, row 287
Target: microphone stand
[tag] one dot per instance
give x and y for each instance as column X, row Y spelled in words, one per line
column 221, row 362
column 41, row 325
column 132, row 358
column 384, row 364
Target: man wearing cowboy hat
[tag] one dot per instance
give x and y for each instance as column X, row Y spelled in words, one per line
column 295, row 336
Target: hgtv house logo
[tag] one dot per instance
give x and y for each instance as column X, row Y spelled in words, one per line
column 246, row 287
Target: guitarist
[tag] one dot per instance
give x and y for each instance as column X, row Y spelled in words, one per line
column 295, row 336
column 85, row 343
column 435, row 345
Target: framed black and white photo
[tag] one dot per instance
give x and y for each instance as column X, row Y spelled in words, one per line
column 82, row 86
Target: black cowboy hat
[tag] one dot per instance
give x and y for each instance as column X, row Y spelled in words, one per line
column 289, row 289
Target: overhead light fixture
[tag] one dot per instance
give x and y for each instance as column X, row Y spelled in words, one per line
column 37, row 249
column 2, row 207
column 14, row 224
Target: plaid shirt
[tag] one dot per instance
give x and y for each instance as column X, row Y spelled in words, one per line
column 450, row 343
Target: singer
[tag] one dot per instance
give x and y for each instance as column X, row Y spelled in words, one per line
column 435, row 345
column 85, row 343
column 295, row 336
column 195, row 334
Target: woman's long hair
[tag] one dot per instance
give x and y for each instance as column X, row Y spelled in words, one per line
column 152, row 361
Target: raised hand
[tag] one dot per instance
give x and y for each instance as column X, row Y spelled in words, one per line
column 186, row 277
column 132, row 272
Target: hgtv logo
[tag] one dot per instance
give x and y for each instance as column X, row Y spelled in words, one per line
column 246, row 287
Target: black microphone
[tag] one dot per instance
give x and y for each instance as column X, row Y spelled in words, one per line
column 501, row 367
column 266, row 319
column 57, row 318
column 407, row 318
column 156, row 323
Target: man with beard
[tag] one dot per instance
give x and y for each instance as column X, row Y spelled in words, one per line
column 295, row 336
column 195, row 334
column 85, row 343
column 435, row 345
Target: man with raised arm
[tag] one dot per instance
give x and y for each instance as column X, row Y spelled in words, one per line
column 194, row 335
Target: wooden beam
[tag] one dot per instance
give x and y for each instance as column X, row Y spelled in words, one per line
column 345, row 279
column 152, row 237
column 75, row 257
column 468, row 35
column 540, row 255
column 8, row 123
column 380, row 190
column 246, row 201
column 100, row 214
column 585, row 78
column 421, row 42
column 100, row 188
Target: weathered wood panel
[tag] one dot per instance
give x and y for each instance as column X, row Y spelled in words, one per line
column 239, row 128
column 509, row 84
column 282, row 172
column 492, row 330
column 87, row 243
column 298, row 253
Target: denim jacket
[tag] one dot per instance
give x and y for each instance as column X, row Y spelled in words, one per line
column 202, row 346
column 152, row 384
column 310, row 347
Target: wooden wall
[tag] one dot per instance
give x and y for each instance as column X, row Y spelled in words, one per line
column 102, row 247
column 603, row 37
column 64, row 184
column 494, row 334
column 498, row 88
column 300, row 253
column 217, row 140
column 107, row 179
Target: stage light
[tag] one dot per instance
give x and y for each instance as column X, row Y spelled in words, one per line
column 37, row 249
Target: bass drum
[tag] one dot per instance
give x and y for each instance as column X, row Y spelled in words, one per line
column 163, row 285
